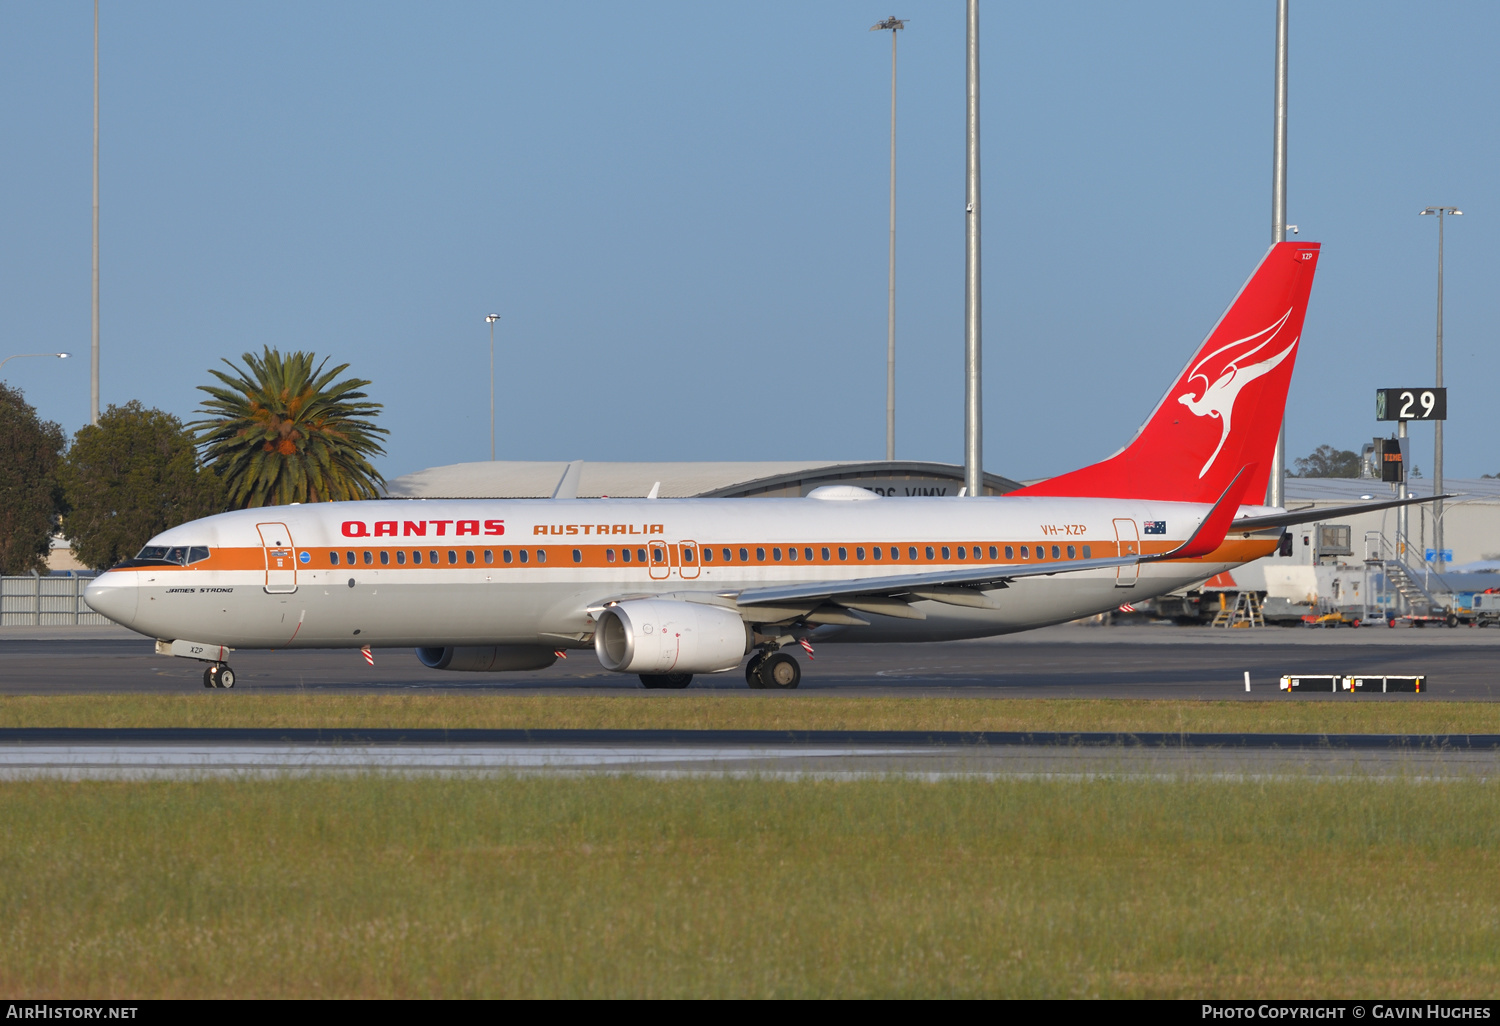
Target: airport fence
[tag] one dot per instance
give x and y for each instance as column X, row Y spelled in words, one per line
column 46, row 601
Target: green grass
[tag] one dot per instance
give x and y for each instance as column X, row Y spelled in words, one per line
column 733, row 710
column 605, row 886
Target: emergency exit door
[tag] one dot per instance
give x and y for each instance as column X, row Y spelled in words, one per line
column 1128, row 537
column 281, row 558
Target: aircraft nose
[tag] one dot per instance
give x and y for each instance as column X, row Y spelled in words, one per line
column 115, row 595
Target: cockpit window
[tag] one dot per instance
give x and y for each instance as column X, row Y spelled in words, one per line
column 169, row 555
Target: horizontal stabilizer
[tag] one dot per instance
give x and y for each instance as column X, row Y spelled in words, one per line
column 1309, row 514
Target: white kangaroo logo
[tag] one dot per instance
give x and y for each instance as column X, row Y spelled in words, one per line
column 1225, row 371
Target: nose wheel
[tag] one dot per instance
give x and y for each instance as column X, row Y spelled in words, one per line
column 219, row 675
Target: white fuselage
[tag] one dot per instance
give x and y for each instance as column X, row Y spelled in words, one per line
column 493, row 572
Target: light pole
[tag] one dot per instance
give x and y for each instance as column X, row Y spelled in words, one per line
column 1276, row 493
column 22, row 356
column 973, row 417
column 1437, row 460
column 892, row 25
column 94, row 348
column 490, row 319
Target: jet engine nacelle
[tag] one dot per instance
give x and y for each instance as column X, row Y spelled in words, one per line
column 667, row 636
column 487, row 658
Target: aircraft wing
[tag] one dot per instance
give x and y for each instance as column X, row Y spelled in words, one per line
column 962, row 585
column 1309, row 514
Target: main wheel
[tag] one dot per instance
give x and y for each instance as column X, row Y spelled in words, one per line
column 666, row 680
column 226, row 677
column 208, row 678
column 780, row 671
column 752, row 671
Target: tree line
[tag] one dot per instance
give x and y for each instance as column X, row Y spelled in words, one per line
column 280, row 429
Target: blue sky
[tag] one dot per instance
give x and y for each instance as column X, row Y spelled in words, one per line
column 680, row 211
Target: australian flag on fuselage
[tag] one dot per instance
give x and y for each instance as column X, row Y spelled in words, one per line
column 1156, row 527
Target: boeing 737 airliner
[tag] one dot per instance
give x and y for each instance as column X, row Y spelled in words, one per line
column 671, row 588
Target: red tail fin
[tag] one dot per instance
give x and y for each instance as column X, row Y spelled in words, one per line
column 1224, row 411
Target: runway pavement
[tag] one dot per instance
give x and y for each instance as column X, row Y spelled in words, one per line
column 196, row 753
column 1067, row 661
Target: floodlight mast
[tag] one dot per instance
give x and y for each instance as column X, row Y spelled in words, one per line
column 973, row 417
column 490, row 319
column 1276, row 492
column 94, row 347
column 1437, row 460
column 891, row 25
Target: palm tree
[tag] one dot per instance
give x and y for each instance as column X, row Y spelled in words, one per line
column 284, row 432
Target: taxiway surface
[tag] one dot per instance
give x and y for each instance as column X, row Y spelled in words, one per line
column 1067, row 661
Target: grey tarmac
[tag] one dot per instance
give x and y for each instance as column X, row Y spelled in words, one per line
column 1057, row 662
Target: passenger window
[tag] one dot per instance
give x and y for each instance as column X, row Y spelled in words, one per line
column 385, row 558
column 349, row 558
column 658, row 556
column 687, row 555
column 333, row 558
column 744, row 555
column 609, row 556
column 625, row 555
column 807, row 553
column 791, row 553
column 400, row 559
column 895, row 552
column 489, row 556
column 859, row 552
column 640, row 555
column 708, row 554
column 776, row 554
column 541, row 555
column 1025, row 552
column 578, row 555
column 452, row 557
column 994, row 554
column 760, row 555
column 416, row 557
column 469, row 556
column 505, row 555
column 369, row 558
column 432, row 556
column 1039, row 553
column 525, row 556
column 1056, row 552
column 945, row 552
column 1088, row 552
column 843, row 553
column 961, row 553
column 1010, row 553
column 1072, row 552
column 824, row 553
column 976, row 552
column 875, row 551
column 728, row 556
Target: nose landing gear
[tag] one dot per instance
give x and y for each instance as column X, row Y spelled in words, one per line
column 219, row 675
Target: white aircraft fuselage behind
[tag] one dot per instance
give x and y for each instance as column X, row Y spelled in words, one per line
column 532, row 572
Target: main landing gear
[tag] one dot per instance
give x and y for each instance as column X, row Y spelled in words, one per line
column 775, row 671
column 219, row 675
column 666, row 680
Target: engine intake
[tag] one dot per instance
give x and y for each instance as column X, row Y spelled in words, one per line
column 668, row 636
column 487, row 658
